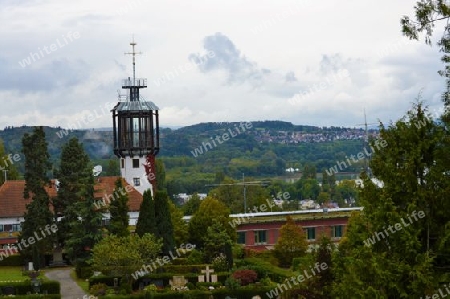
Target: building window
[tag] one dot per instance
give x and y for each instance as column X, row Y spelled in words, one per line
column 260, row 237
column 137, row 181
column 7, row 227
column 122, row 163
column 105, row 222
column 1, row 228
column 311, row 233
column 135, row 163
column 336, row 231
column 241, row 237
column 16, row 228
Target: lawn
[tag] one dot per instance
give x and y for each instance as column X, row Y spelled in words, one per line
column 8, row 273
column 11, row 273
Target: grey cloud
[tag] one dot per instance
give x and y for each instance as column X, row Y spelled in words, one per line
column 53, row 74
column 290, row 77
column 228, row 58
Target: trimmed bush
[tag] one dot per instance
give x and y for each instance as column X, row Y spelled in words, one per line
column 98, row 289
column 84, row 272
column 50, row 296
column 107, row 280
column 51, row 286
column 13, row 260
column 23, row 288
column 246, row 277
column 180, row 261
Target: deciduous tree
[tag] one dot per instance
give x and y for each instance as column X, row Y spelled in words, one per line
column 291, row 243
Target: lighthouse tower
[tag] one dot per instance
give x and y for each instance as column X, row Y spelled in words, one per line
column 136, row 132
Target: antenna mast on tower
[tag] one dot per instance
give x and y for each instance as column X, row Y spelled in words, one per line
column 134, row 53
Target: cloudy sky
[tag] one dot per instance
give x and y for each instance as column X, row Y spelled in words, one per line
column 303, row 61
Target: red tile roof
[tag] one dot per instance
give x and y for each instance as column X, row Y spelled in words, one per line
column 12, row 203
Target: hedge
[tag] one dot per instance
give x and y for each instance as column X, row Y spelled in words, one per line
column 84, row 272
column 12, row 260
column 245, row 293
column 23, row 288
column 50, row 296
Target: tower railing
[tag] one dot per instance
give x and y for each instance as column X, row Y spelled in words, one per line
column 138, row 82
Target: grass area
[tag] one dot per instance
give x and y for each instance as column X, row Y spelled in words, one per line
column 82, row 283
column 8, row 273
column 11, row 273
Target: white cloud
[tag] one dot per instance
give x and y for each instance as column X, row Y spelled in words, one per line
column 252, row 77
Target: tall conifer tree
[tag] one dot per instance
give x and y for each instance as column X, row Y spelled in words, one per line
column 38, row 213
column 118, row 208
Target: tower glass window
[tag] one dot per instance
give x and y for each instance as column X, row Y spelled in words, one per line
column 135, row 163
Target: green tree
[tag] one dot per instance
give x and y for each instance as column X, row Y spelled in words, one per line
column 428, row 13
column 38, row 214
column 112, row 168
column 376, row 261
column 323, row 281
column 216, row 242
column 348, row 193
column 70, row 185
column 232, row 195
column 119, row 212
column 309, row 172
column 86, row 230
column 210, row 209
column 323, row 197
column 160, row 174
column 164, row 221
column 180, row 227
column 291, row 243
column 192, row 205
column 121, row 256
column 11, row 170
column 146, row 222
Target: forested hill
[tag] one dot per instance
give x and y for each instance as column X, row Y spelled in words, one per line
column 266, row 148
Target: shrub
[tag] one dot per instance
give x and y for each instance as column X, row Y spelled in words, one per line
column 245, row 276
column 299, row 262
column 125, row 288
column 190, row 286
column 150, row 288
column 219, row 263
column 238, row 251
column 195, row 257
column 13, row 260
column 52, row 287
column 180, row 261
column 232, row 283
column 98, row 289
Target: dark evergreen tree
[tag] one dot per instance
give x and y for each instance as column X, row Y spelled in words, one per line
column 85, row 229
column 118, row 208
column 160, row 175
column 409, row 193
column 163, row 221
column 38, row 214
column 146, row 222
column 73, row 161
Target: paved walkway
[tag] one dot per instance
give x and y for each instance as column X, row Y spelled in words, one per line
column 69, row 288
